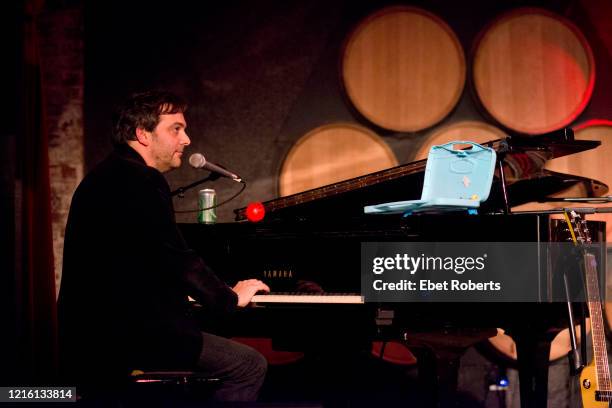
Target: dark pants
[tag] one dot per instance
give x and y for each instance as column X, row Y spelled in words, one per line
column 240, row 368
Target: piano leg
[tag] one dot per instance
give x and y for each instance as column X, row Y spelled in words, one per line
column 438, row 373
column 533, row 359
column 438, row 354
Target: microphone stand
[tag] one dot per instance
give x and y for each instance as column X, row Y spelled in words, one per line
column 501, row 154
column 181, row 190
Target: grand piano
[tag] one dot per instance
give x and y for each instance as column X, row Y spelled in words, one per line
column 307, row 249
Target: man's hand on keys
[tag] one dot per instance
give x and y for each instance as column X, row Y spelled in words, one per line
column 246, row 289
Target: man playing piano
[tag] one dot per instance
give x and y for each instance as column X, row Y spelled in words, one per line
column 127, row 270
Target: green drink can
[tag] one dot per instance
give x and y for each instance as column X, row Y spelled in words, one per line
column 207, row 198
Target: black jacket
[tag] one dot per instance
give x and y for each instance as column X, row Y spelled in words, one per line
column 127, row 273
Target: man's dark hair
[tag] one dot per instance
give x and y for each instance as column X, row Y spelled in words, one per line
column 142, row 110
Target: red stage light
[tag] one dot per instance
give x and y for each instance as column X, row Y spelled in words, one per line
column 255, row 212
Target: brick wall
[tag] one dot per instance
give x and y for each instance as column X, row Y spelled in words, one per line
column 60, row 33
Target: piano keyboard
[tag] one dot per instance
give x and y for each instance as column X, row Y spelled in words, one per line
column 339, row 298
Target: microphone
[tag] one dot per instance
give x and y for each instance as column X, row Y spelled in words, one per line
column 198, row 161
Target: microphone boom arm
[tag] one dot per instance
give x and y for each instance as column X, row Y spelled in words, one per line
column 181, row 190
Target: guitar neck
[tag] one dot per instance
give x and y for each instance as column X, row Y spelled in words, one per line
column 600, row 355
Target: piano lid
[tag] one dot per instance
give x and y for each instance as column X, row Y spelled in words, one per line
column 523, row 158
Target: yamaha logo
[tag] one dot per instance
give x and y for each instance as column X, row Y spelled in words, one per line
column 278, row 274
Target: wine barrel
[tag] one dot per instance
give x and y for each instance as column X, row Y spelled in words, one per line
column 403, row 68
column 533, row 71
column 504, row 344
column 473, row 131
column 333, row 153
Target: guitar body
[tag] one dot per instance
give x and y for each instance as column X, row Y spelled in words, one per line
column 588, row 388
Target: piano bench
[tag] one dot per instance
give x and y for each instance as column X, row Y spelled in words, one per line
column 171, row 385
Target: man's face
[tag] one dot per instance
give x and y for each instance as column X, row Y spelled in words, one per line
column 168, row 142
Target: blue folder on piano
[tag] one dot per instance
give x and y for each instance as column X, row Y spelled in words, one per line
column 455, row 179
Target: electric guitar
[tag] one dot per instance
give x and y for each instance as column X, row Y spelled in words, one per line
column 595, row 385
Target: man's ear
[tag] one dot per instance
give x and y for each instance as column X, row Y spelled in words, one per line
column 143, row 137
